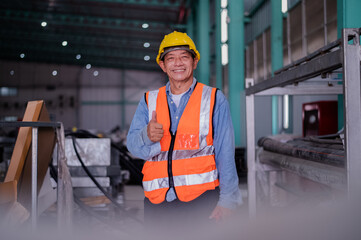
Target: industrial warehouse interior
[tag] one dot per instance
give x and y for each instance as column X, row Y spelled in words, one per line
column 74, row 74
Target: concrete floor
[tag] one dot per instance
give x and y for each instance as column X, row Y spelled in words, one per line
column 103, row 220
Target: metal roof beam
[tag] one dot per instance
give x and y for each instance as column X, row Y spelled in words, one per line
column 95, row 32
column 41, row 36
column 94, row 61
column 23, row 47
column 84, row 21
column 146, row 3
column 157, row 3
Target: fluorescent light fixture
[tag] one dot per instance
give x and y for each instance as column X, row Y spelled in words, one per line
column 88, row 66
column 78, row 56
column 22, row 55
column 12, row 72
column 95, row 73
column 224, row 52
column 284, row 6
column 224, row 3
column 64, row 43
column 54, row 73
column 146, row 58
column 224, row 26
column 286, row 114
column 145, row 25
column 146, row 44
column 43, row 24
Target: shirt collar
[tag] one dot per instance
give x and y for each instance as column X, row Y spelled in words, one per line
column 188, row 92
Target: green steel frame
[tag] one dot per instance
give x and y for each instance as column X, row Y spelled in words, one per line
column 203, row 43
column 348, row 16
column 218, row 53
column 276, row 54
column 236, row 70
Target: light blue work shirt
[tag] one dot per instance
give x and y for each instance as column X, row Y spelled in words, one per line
column 141, row 146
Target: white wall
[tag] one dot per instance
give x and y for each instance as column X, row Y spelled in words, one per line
column 99, row 101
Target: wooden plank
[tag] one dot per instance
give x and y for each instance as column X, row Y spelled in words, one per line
column 8, row 192
column 23, row 141
column 95, row 200
column 46, row 142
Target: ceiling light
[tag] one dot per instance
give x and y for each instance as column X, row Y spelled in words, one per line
column 145, row 25
column 64, row 43
column 95, row 73
column 22, row 55
column 88, row 66
column 43, row 24
column 12, row 72
column 146, row 44
column 78, row 56
column 146, row 58
column 54, row 73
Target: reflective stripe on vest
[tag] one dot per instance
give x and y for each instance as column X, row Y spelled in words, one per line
column 181, row 180
column 192, row 160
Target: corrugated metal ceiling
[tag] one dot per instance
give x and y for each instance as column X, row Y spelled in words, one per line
column 104, row 33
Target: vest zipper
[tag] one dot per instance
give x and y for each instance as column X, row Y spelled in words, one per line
column 170, row 153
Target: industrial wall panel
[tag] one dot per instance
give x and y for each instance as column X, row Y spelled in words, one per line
column 260, row 21
column 315, row 25
column 75, row 95
column 251, row 60
column 331, row 8
column 263, row 116
column 259, row 66
column 100, row 94
column 58, row 102
column 249, row 4
column 100, row 117
column 95, row 77
column 296, row 33
column 268, row 70
column 286, row 59
column 292, row 3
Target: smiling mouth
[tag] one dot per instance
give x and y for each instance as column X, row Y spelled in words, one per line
column 179, row 70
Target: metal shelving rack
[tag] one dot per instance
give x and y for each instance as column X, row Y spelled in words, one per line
column 64, row 190
column 343, row 54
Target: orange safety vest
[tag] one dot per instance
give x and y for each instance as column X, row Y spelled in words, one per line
column 186, row 161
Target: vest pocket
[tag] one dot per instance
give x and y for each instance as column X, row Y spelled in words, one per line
column 186, row 141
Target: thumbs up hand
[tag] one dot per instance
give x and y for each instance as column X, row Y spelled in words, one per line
column 154, row 129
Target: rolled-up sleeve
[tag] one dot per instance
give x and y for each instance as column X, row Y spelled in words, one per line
column 230, row 195
column 138, row 142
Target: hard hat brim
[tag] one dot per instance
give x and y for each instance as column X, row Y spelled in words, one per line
column 170, row 49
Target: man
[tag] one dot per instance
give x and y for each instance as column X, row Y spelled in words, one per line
column 185, row 133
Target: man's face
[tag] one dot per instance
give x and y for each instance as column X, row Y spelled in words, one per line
column 179, row 65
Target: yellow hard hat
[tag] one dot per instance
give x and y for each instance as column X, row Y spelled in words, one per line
column 177, row 39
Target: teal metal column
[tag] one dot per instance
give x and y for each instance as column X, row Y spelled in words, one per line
column 236, row 70
column 203, row 44
column 190, row 23
column 276, row 53
column 218, row 51
column 348, row 16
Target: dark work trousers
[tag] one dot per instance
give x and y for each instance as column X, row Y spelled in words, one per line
column 177, row 215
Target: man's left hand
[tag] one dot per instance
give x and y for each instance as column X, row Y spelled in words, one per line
column 220, row 213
